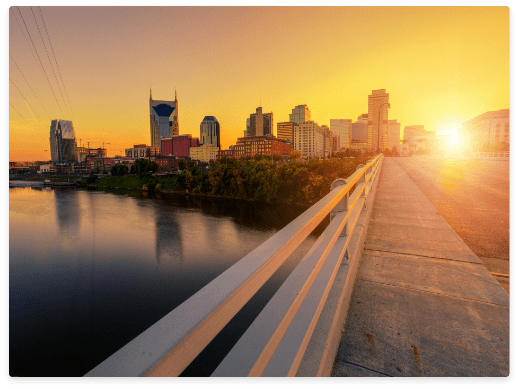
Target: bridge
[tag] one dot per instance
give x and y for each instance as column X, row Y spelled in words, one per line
column 388, row 289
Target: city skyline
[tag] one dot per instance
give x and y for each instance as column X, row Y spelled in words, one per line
column 442, row 66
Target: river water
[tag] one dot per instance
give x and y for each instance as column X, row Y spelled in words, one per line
column 90, row 270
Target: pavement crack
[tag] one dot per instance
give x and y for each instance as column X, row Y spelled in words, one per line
column 366, row 368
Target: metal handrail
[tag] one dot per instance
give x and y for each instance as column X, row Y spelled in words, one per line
column 171, row 344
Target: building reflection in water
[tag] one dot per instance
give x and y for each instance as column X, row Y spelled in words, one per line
column 67, row 216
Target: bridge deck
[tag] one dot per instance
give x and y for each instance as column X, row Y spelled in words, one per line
column 422, row 304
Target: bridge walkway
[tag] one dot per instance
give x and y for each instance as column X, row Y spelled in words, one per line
column 422, row 304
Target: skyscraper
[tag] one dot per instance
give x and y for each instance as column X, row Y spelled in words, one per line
column 300, row 113
column 285, row 131
column 393, row 134
column 63, row 146
column 342, row 127
column 378, row 105
column 210, row 131
column 259, row 123
column 163, row 119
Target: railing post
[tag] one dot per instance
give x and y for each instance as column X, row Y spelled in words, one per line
column 361, row 182
column 342, row 206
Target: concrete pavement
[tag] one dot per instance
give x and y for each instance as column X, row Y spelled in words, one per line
column 423, row 304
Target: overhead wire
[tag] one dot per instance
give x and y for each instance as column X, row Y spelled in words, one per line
column 48, row 57
column 30, row 86
column 22, row 117
column 48, row 37
column 25, row 98
column 48, row 82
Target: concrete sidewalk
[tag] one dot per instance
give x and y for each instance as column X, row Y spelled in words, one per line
column 422, row 304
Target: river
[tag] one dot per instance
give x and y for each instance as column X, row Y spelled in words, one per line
column 90, row 270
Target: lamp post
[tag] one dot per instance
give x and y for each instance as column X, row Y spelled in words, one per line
column 380, row 123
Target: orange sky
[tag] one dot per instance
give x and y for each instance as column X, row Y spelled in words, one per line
column 440, row 65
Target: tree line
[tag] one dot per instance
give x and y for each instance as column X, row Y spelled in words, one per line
column 260, row 179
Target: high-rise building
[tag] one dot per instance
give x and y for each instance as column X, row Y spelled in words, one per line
column 285, row 131
column 393, row 134
column 327, row 140
column 300, row 113
column 343, row 128
column 309, row 138
column 259, row 123
column 163, row 120
column 63, row 146
column 359, row 129
column 378, row 105
column 411, row 131
column 485, row 129
column 210, row 131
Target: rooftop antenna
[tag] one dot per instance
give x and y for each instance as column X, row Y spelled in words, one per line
column 151, row 98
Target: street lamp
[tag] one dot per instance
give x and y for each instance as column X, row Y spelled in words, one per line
column 380, row 122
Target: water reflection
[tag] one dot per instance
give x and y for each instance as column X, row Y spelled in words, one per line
column 67, row 215
column 168, row 236
column 107, row 266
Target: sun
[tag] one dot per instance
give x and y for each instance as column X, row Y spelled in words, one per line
column 453, row 137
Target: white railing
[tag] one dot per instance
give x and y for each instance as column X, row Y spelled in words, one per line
column 275, row 343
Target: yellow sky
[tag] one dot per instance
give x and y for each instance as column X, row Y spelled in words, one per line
column 440, row 65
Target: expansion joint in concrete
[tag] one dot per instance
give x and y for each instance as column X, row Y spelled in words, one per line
column 421, row 256
column 430, row 292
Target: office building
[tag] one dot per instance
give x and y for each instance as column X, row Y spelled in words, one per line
column 178, row 146
column 378, row 106
column 300, row 114
column 141, row 151
column 285, row 131
column 393, row 134
column 310, row 138
column 413, row 131
column 163, row 120
column 63, row 146
column 486, row 129
column 210, row 131
column 259, row 123
column 248, row 147
column 343, row 128
column 204, row 153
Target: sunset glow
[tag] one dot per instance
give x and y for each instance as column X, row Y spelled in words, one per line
column 436, row 63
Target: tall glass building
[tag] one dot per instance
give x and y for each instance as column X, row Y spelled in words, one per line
column 63, row 146
column 300, row 114
column 163, row 120
column 210, row 132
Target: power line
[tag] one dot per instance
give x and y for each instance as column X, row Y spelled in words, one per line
column 21, row 116
column 24, row 98
column 48, row 37
column 48, row 57
column 48, row 82
column 29, row 85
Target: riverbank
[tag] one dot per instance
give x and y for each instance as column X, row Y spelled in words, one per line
column 262, row 181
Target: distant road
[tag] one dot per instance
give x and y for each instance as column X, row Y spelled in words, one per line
column 474, row 197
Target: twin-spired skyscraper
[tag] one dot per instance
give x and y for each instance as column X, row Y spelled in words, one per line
column 63, row 146
column 163, row 120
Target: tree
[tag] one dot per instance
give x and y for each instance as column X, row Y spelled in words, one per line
column 119, row 170
column 141, row 166
column 181, row 164
column 394, row 151
column 294, row 154
column 387, row 153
